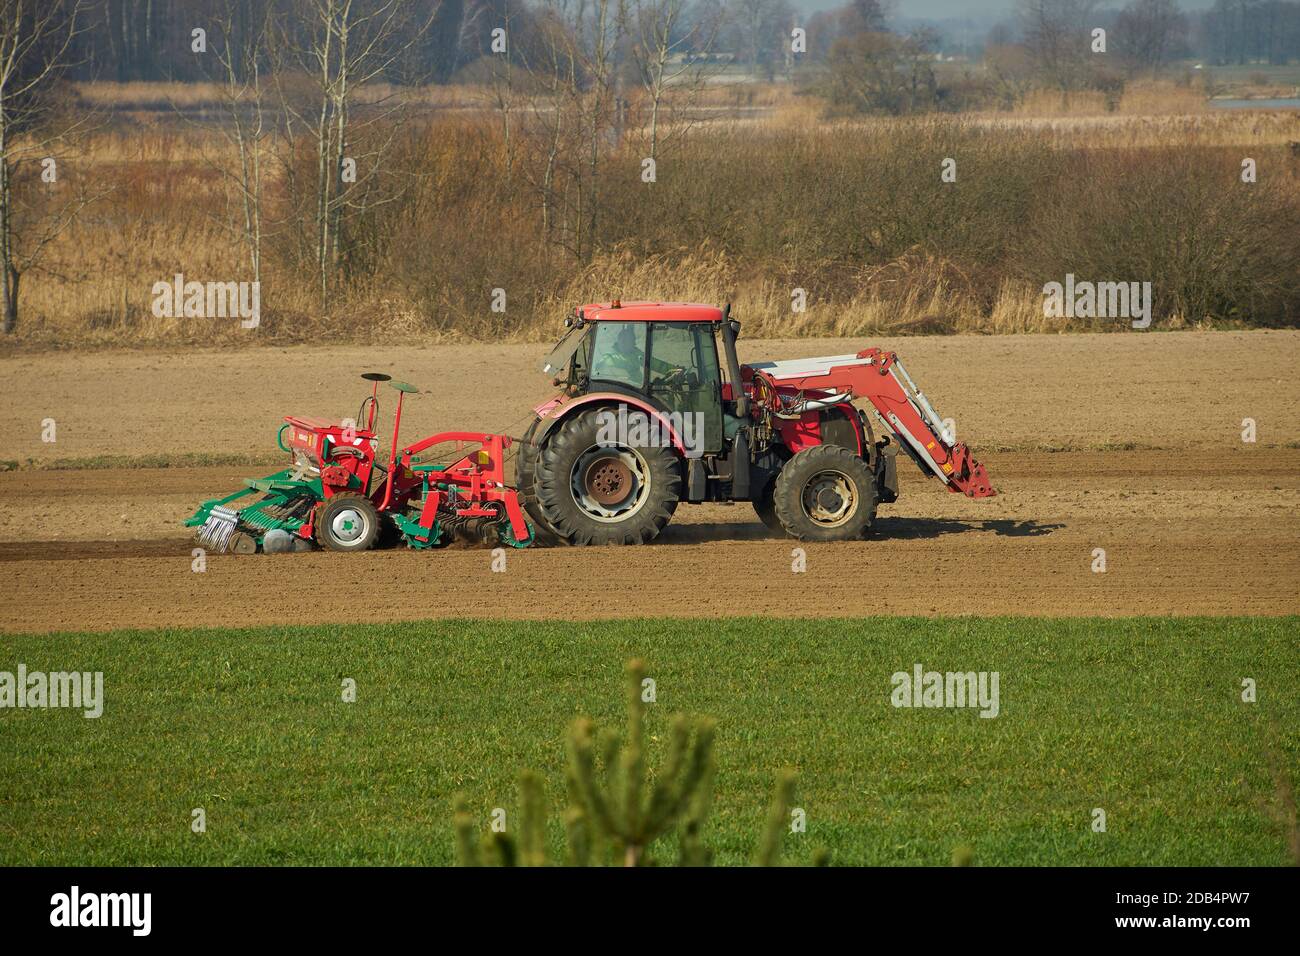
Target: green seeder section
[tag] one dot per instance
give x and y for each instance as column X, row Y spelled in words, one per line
column 414, row 533
column 279, row 490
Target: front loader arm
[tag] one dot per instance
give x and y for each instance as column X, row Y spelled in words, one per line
column 879, row 378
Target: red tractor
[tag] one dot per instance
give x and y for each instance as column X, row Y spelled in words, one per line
column 655, row 409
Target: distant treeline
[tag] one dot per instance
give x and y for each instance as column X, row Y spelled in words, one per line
column 132, row 40
column 148, row 40
column 1250, row 31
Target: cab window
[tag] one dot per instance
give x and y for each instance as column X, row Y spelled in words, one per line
column 618, row 353
column 684, row 376
column 682, row 356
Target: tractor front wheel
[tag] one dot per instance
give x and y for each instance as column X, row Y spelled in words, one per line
column 595, row 493
column 347, row 522
column 825, row 493
column 765, row 508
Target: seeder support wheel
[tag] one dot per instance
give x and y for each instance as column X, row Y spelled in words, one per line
column 347, row 522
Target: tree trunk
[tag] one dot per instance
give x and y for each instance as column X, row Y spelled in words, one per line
column 323, row 184
column 10, row 297
column 8, row 273
column 656, row 96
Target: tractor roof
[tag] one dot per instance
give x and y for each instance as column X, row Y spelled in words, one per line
column 650, row 312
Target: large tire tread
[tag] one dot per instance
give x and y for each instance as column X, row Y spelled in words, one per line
column 526, row 482
column 788, row 493
column 765, row 508
column 554, row 497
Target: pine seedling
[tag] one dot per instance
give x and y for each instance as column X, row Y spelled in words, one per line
column 532, row 820
column 616, row 806
column 504, row 849
column 768, row 852
column 691, row 848
column 630, row 810
column 463, row 826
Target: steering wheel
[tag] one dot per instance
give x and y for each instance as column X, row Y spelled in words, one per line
column 675, row 378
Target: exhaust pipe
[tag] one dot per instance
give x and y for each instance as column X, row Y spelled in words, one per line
column 730, row 329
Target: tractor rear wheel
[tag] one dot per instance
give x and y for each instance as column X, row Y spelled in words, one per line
column 825, row 493
column 593, row 493
column 347, row 522
column 526, row 481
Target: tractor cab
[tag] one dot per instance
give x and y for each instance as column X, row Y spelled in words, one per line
column 663, row 353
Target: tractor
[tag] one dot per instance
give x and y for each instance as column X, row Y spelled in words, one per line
column 655, row 410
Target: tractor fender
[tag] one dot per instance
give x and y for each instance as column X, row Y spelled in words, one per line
column 841, row 424
column 550, row 414
column 837, row 424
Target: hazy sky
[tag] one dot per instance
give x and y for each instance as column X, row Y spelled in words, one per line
column 955, row 8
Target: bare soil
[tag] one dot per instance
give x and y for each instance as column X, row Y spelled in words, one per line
column 1155, row 472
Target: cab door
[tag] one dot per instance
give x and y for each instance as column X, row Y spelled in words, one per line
column 684, row 376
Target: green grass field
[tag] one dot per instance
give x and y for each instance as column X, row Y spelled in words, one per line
column 1142, row 718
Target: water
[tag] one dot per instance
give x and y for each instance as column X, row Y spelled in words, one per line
column 1291, row 103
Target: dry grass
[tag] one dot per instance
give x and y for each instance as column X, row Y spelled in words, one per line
column 164, row 96
column 140, row 95
column 1214, row 128
column 743, row 211
column 1142, row 98
column 1130, row 127
column 915, row 295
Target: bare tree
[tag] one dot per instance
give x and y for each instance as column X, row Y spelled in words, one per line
column 762, row 25
column 882, row 72
column 573, row 115
column 36, row 39
column 553, row 66
column 1010, row 68
column 240, row 52
column 505, row 96
column 662, row 35
column 607, row 25
column 1148, row 33
column 578, row 118
column 1057, row 32
column 343, row 45
column 864, row 16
